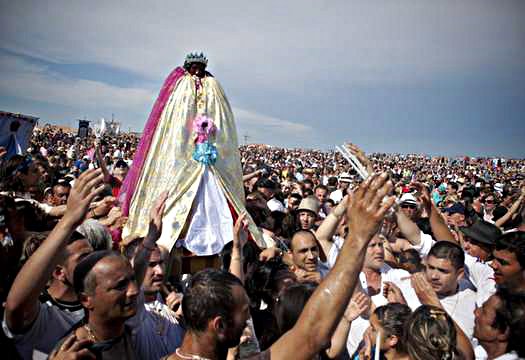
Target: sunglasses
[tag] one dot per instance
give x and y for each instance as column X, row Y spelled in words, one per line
column 408, row 206
column 489, row 201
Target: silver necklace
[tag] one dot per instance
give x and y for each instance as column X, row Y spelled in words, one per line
column 189, row 356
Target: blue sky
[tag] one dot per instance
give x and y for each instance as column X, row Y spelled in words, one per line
column 438, row 77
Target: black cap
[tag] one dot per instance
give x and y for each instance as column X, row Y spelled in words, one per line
column 482, row 232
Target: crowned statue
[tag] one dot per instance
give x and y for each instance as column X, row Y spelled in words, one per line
column 188, row 148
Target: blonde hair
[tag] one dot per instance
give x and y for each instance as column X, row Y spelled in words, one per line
column 430, row 334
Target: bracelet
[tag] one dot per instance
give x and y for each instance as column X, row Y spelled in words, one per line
column 93, row 214
column 236, row 258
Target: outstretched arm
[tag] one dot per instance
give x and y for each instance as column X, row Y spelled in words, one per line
column 326, row 231
column 22, row 301
column 512, row 211
column 359, row 304
column 239, row 239
column 408, row 228
column 428, row 296
column 361, row 156
column 252, row 175
column 140, row 261
column 437, row 224
column 101, row 162
column 324, row 309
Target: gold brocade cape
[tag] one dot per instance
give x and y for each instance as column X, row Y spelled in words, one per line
column 169, row 165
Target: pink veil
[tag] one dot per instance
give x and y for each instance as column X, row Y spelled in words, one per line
column 130, row 182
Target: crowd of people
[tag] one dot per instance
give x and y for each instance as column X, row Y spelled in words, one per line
column 423, row 259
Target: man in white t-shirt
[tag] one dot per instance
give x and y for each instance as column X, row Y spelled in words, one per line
column 440, row 285
column 377, row 280
column 269, row 188
column 344, row 184
column 477, row 274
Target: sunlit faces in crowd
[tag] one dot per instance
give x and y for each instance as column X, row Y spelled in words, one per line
column 241, row 314
column 476, row 249
column 489, row 203
column 499, row 324
column 410, row 261
column 409, row 209
column 120, row 170
column 375, row 254
column 111, row 289
column 452, row 189
column 61, row 192
column 455, row 219
column 307, row 219
column 444, row 267
column 293, row 202
column 305, row 250
column 155, row 272
column 321, row 193
column 509, row 260
column 30, row 172
column 484, row 320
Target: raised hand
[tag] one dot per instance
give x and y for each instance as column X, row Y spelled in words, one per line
column 156, row 213
column 269, row 253
column 392, row 293
column 361, row 156
column 104, row 206
column 340, row 209
column 86, row 188
column 368, row 342
column 359, row 304
column 73, row 349
column 174, row 300
column 368, row 207
column 424, row 196
column 424, row 290
column 314, row 276
column 240, row 231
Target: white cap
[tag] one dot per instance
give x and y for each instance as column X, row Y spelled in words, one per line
column 408, row 198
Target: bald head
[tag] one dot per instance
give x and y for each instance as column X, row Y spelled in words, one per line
column 305, row 250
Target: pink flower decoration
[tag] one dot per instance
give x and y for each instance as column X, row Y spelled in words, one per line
column 204, row 127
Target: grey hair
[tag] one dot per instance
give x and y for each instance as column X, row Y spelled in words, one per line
column 96, row 234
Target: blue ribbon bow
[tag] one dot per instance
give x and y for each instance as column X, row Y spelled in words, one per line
column 205, row 153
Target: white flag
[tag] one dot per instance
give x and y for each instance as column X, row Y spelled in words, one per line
column 102, row 126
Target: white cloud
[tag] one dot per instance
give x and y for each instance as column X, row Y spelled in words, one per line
column 26, row 80
column 306, row 57
column 265, row 129
column 35, row 82
column 273, row 43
